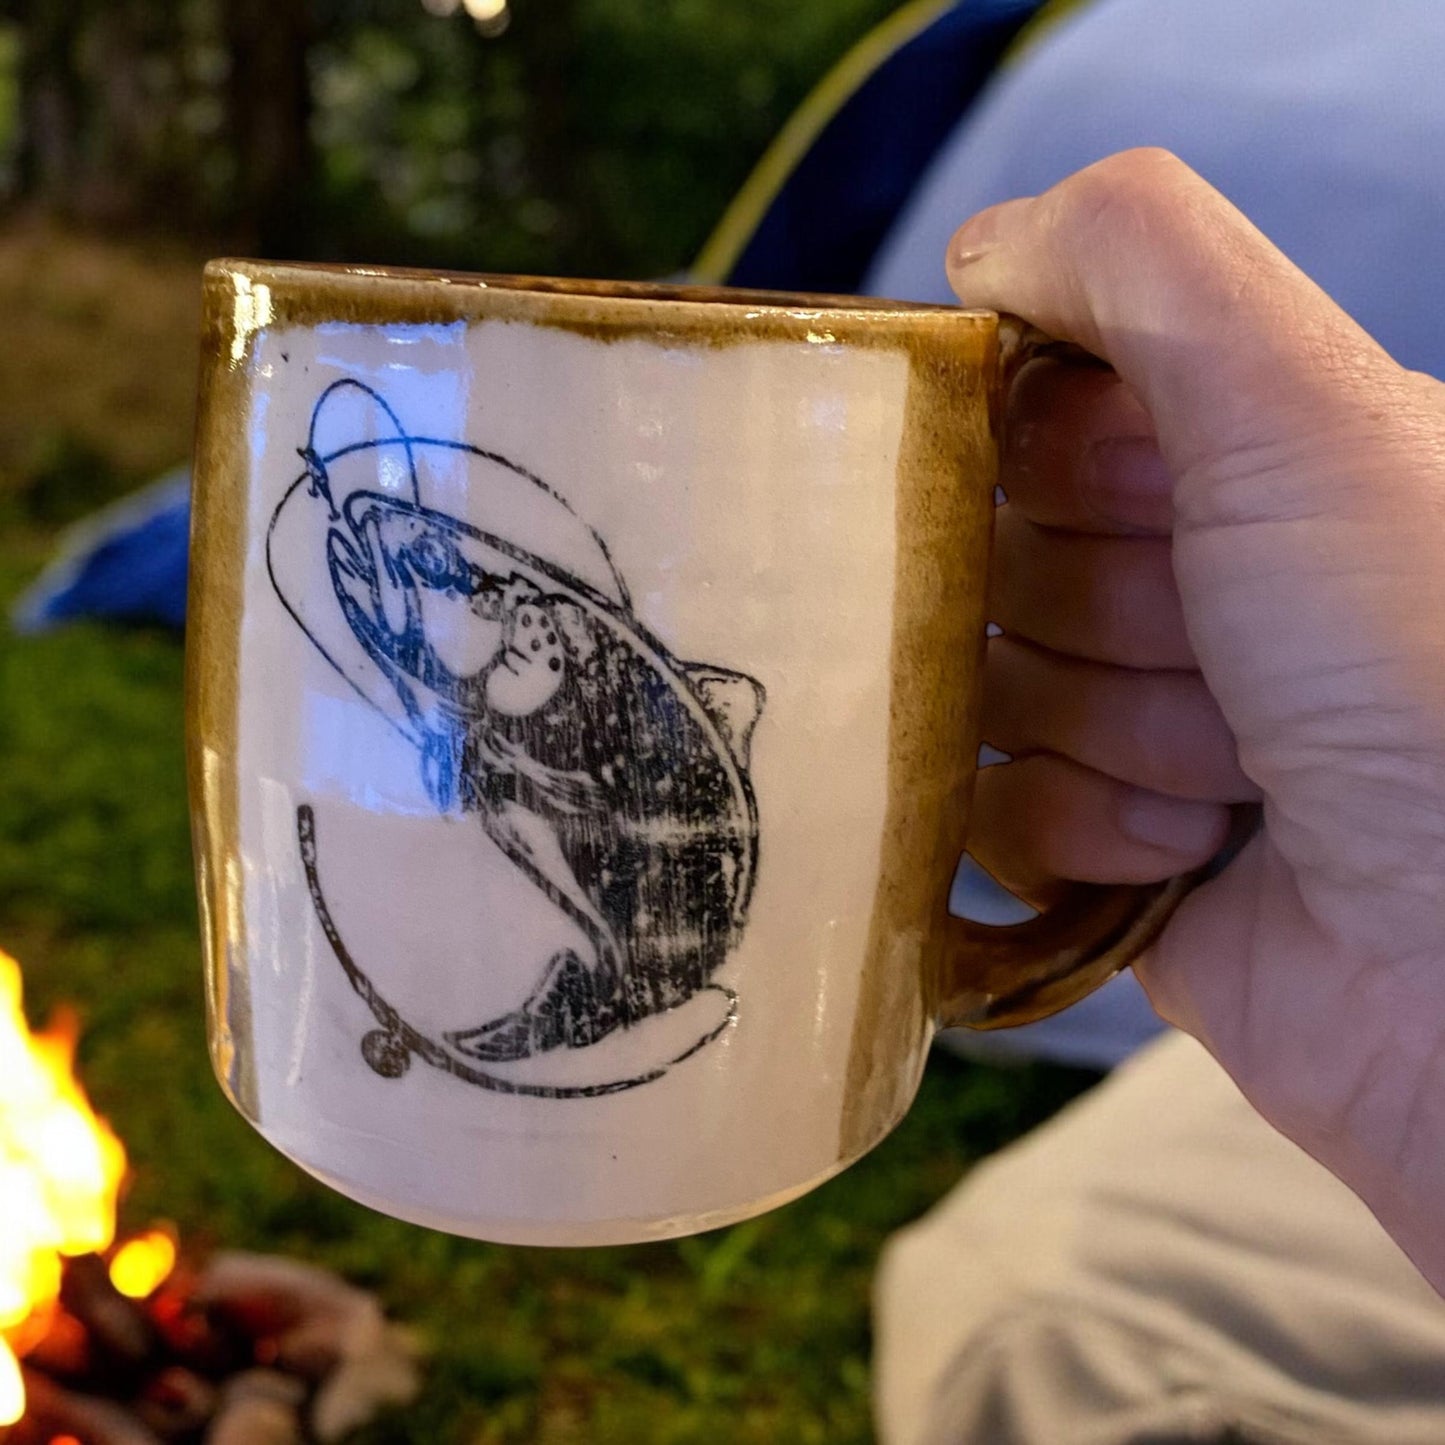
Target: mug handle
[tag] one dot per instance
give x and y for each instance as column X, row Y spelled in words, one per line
column 998, row 976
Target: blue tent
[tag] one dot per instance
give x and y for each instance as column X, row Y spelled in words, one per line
column 810, row 218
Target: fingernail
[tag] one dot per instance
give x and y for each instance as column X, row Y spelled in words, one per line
column 961, row 257
column 971, row 242
column 1127, row 483
column 1173, row 824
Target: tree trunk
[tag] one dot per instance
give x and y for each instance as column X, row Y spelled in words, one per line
column 52, row 100
column 269, row 118
column 107, row 95
column 544, row 33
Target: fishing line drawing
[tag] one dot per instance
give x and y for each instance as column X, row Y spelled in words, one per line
column 611, row 775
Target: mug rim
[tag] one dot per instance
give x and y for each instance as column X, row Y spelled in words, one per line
column 309, row 292
column 649, row 292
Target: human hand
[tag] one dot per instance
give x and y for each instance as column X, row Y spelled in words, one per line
column 1221, row 577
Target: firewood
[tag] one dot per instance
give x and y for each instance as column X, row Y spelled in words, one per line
column 176, row 1403
column 255, row 1422
column 322, row 1328
column 52, row 1410
column 264, row 1385
column 317, row 1345
column 269, row 1295
column 254, row 1350
column 64, row 1349
column 122, row 1336
column 364, row 1382
column 258, row 1407
column 196, row 1337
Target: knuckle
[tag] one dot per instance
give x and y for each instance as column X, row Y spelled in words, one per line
column 1123, row 196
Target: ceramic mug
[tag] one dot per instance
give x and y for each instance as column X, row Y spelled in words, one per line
column 583, row 700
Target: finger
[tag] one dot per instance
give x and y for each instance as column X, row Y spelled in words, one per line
column 1045, row 818
column 1108, row 599
column 1079, row 452
column 1156, row 730
column 1229, row 346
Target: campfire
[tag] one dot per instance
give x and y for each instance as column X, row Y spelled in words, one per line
column 106, row 1342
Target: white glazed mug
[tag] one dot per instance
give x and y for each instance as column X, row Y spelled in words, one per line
column 582, row 698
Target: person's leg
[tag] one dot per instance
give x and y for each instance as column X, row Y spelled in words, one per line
column 1155, row 1264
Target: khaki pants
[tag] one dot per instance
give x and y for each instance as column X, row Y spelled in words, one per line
column 1156, row 1265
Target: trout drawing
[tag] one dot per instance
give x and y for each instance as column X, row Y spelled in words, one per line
column 610, row 774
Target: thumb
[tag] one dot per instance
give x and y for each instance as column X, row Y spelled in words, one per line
column 1230, row 346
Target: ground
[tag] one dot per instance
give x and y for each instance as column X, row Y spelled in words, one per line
column 755, row 1335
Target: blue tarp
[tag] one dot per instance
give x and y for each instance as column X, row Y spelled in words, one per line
column 125, row 564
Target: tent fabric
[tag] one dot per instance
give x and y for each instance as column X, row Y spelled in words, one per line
column 813, row 214
column 1321, row 122
column 126, row 564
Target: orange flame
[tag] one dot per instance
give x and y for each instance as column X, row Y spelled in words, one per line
column 143, row 1264
column 60, row 1172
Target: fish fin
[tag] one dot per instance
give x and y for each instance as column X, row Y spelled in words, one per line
column 733, row 700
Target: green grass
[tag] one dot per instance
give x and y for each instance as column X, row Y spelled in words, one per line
column 754, row 1334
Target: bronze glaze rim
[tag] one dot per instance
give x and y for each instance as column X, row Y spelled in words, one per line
column 308, row 293
column 652, row 292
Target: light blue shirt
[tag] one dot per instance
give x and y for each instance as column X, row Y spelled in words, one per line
column 1323, row 120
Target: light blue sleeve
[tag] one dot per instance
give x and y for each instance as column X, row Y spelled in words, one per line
column 1323, row 120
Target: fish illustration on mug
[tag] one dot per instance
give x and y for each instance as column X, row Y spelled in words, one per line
column 612, row 776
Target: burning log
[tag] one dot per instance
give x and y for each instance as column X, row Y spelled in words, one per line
column 63, row 1351
column 176, row 1403
column 122, row 1337
column 102, row 1346
column 251, row 1350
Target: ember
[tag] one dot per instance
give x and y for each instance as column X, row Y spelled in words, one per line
column 133, row 1345
column 141, row 1265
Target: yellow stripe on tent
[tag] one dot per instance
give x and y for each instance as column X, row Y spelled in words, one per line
column 726, row 244
column 743, row 217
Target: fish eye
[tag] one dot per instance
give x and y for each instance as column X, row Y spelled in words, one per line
column 432, row 559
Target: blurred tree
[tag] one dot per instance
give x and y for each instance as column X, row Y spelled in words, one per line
column 600, row 136
column 594, row 136
column 188, row 114
column 268, row 121
column 54, row 98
